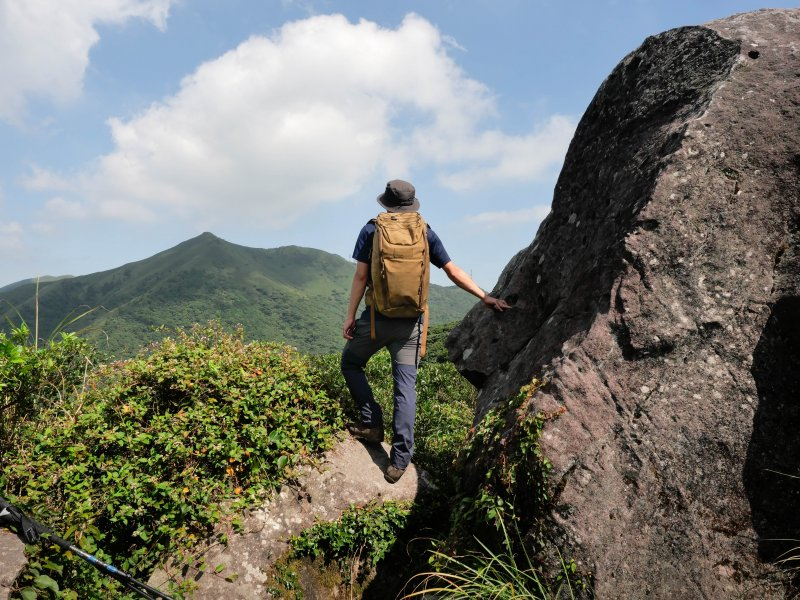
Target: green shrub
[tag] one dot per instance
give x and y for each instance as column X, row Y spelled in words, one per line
column 477, row 558
column 437, row 336
column 505, row 447
column 138, row 467
column 445, row 412
column 36, row 377
column 362, row 534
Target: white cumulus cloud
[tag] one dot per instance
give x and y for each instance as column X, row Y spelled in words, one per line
column 495, row 157
column 44, row 45
column 308, row 115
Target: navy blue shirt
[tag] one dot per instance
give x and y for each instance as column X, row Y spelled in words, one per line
column 439, row 256
column 361, row 253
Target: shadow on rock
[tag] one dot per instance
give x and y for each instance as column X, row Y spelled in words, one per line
column 771, row 468
column 429, row 519
column 378, row 454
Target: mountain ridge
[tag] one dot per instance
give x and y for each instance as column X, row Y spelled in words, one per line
column 289, row 294
column 40, row 279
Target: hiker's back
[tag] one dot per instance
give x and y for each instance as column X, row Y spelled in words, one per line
column 400, row 264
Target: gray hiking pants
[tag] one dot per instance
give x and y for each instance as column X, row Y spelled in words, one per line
column 401, row 338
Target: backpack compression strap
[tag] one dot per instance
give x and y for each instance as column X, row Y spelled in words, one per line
column 423, row 343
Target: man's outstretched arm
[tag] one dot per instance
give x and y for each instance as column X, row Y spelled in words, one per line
column 465, row 282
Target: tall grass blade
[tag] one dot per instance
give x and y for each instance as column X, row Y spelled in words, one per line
column 491, row 575
column 36, row 317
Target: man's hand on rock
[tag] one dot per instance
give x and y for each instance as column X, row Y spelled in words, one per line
column 495, row 303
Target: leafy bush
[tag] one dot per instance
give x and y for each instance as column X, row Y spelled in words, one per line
column 34, row 378
column 478, row 558
column 437, row 336
column 505, row 447
column 445, row 411
column 138, row 466
column 365, row 533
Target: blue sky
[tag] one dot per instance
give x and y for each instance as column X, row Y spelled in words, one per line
column 128, row 126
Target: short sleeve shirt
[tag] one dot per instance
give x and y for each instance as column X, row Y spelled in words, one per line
column 439, row 256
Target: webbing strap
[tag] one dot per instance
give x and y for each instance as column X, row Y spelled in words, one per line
column 424, row 341
column 372, row 335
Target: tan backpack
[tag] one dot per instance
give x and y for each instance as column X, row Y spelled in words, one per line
column 399, row 269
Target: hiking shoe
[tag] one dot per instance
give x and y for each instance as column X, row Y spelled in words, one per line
column 366, row 433
column 392, row 474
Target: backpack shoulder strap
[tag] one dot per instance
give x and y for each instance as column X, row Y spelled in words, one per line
column 368, row 293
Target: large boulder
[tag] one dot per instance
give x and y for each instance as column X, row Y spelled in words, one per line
column 661, row 300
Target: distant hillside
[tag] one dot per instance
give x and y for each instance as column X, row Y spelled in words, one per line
column 16, row 284
column 290, row 294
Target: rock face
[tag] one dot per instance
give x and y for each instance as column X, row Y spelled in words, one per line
column 12, row 560
column 352, row 474
column 661, row 300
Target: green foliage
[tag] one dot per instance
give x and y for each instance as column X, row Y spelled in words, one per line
column 362, row 535
column 445, row 410
column 36, row 377
column 505, row 446
column 504, row 449
column 283, row 581
column 437, row 336
column 35, row 582
column 501, row 575
column 478, row 558
column 136, row 461
column 139, row 465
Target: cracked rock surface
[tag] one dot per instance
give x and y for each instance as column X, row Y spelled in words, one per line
column 661, row 300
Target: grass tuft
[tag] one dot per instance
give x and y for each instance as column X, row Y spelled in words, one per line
column 484, row 573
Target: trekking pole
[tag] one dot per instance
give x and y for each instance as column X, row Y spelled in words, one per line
column 31, row 531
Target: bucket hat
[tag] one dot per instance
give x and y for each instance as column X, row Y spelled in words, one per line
column 399, row 197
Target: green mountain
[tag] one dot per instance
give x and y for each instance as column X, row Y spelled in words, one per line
column 290, row 294
column 11, row 286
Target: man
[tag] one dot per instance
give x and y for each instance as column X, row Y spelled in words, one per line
column 400, row 335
